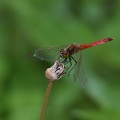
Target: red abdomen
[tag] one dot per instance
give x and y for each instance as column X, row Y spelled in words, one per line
column 99, row 42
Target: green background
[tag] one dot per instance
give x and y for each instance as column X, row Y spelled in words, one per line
column 26, row 25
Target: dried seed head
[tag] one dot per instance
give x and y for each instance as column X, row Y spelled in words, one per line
column 56, row 71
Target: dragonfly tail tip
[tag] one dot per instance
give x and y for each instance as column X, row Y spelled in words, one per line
column 111, row 38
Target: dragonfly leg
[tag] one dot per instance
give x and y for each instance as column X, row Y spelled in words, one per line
column 69, row 68
column 71, row 64
column 66, row 62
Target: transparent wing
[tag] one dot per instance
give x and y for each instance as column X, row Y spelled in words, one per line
column 79, row 71
column 47, row 53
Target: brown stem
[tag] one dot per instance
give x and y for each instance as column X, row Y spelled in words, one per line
column 46, row 99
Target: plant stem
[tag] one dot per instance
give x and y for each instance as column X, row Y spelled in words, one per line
column 46, row 99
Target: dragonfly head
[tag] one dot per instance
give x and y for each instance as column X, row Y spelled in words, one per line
column 64, row 53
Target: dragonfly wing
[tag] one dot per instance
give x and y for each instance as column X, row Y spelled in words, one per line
column 79, row 71
column 48, row 53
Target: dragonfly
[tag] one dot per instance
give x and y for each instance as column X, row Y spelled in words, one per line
column 69, row 55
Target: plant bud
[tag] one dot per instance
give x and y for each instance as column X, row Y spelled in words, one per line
column 56, row 71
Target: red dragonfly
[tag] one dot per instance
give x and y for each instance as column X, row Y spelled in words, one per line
column 68, row 54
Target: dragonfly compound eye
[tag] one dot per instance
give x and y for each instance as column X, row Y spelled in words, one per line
column 63, row 53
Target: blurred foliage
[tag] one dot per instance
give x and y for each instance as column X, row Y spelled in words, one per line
column 26, row 25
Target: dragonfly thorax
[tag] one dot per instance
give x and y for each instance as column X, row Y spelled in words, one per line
column 64, row 53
